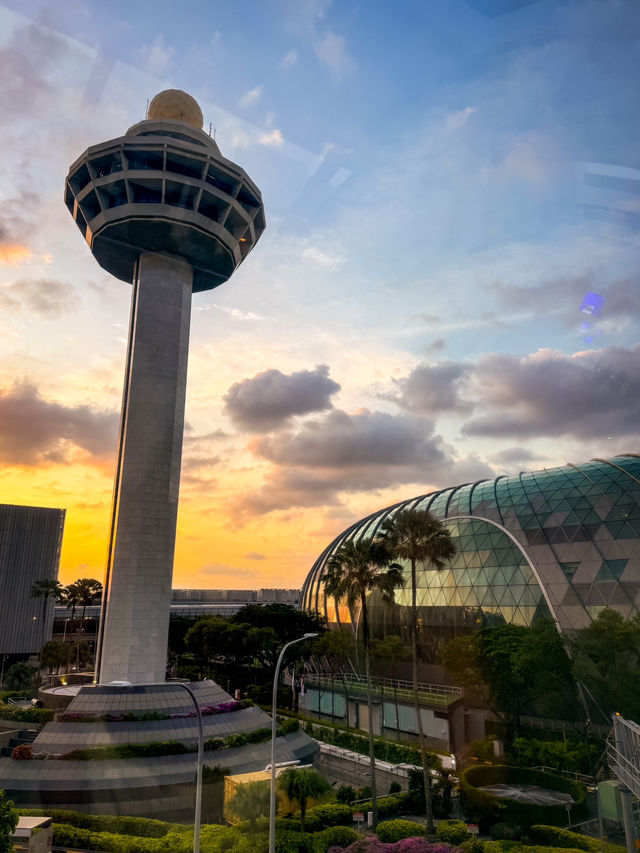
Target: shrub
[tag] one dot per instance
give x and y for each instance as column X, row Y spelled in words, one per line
column 288, row 727
column 25, row 715
column 138, row 826
column 334, row 836
column 331, row 814
column 473, row 844
column 396, row 830
column 346, row 794
column 452, row 831
column 492, row 847
column 554, row 836
column 294, row 842
column 387, row 806
column 395, row 788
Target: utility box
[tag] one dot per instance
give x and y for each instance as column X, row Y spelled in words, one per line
column 33, row 835
column 610, row 801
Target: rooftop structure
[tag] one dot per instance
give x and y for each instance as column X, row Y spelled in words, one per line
column 30, row 543
column 561, row 543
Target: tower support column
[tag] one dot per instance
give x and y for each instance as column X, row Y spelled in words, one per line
column 135, row 620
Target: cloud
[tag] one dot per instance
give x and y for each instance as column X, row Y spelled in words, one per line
column 435, row 346
column 343, row 440
column 348, row 453
column 591, row 394
column 251, row 97
column 272, row 138
column 11, row 255
column 46, row 297
column 331, row 50
column 563, row 297
column 289, row 59
column 34, row 430
column 323, row 259
column 269, row 399
column 514, row 456
column 158, row 57
column 430, row 389
column 253, row 555
column 454, row 121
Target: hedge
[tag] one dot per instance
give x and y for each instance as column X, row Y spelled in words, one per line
column 385, row 750
column 396, row 830
column 497, row 809
column 140, row 826
column 554, row 836
column 25, row 715
column 179, row 839
column 387, row 806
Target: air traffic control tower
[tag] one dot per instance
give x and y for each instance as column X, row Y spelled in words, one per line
column 159, row 207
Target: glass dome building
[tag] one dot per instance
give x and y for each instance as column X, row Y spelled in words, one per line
column 561, row 543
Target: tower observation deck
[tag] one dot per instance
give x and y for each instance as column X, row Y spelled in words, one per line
column 159, row 207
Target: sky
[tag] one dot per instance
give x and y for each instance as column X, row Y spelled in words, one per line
column 447, row 289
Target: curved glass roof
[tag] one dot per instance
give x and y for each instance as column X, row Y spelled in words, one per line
column 562, row 542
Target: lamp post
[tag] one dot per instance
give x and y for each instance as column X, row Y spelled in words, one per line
column 198, row 805
column 274, row 705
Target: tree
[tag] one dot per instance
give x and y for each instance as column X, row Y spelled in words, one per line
column 85, row 591
column 301, row 786
column 417, row 536
column 8, row 823
column 288, row 622
column 69, row 597
column 55, row 655
column 250, row 801
column 46, row 589
column 19, row 677
column 607, row 658
column 513, row 667
column 357, row 569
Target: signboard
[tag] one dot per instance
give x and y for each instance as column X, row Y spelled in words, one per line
column 358, row 817
column 473, row 829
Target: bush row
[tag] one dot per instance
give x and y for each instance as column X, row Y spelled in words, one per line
column 554, row 836
column 138, row 835
column 394, row 753
column 25, row 715
column 491, row 809
column 25, row 752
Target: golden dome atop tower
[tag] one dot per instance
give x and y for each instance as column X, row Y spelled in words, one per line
column 176, row 105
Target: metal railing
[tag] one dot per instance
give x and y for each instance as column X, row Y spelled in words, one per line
column 623, row 753
column 431, row 694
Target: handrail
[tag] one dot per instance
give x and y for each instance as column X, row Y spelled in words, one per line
column 436, row 694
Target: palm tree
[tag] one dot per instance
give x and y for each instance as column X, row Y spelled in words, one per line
column 250, row 801
column 84, row 591
column 353, row 572
column 417, row 536
column 302, row 785
column 46, row 589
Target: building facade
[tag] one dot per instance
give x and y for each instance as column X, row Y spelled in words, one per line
column 30, row 543
column 562, row 543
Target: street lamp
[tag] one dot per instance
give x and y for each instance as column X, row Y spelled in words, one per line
column 274, row 705
column 198, row 806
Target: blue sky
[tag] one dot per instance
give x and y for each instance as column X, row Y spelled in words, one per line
column 444, row 183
